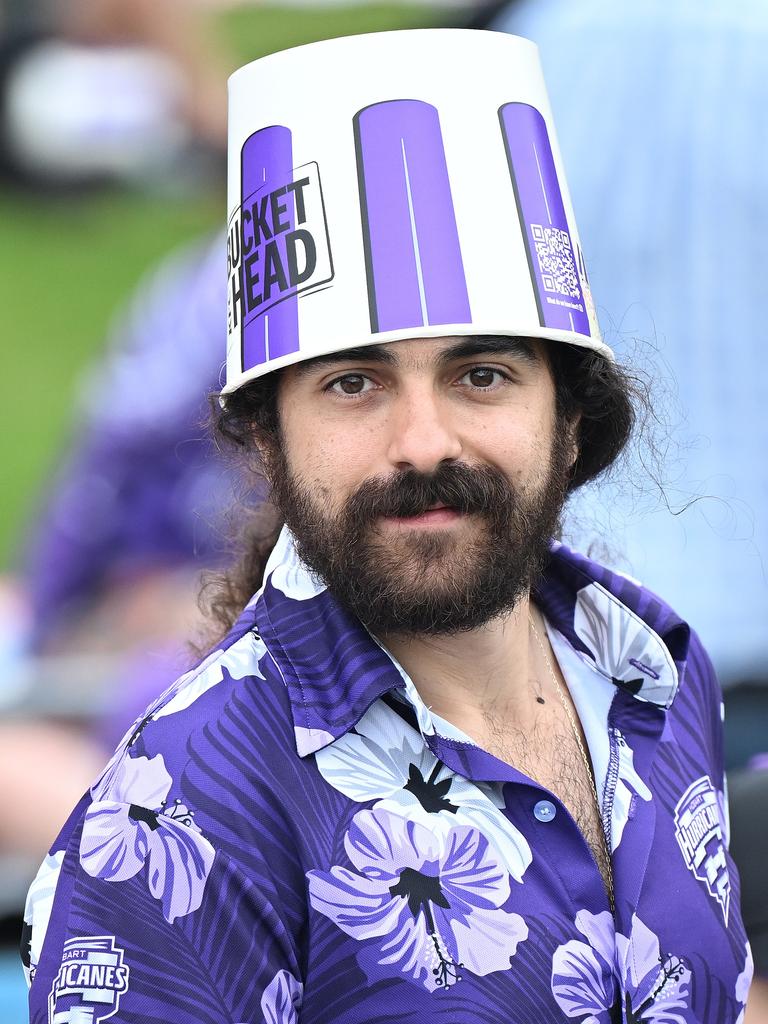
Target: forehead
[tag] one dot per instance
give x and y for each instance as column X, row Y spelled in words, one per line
column 421, row 354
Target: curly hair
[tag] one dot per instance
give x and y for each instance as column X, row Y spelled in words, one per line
column 602, row 394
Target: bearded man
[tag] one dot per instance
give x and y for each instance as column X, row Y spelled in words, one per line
column 440, row 767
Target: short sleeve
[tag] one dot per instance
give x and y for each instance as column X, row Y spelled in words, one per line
column 137, row 918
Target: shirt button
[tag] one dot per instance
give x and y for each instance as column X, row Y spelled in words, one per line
column 544, row 810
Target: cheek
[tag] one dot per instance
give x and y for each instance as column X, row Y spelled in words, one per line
column 520, row 444
column 332, row 466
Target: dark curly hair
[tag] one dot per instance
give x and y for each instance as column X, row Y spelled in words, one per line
column 603, row 394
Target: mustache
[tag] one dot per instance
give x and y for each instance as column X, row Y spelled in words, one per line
column 469, row 489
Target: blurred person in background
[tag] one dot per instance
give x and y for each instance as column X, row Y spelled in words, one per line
column 90, row 93
column 110, row 90
column 95, row 91
column 135, row 509
column 659, row 108
column 133, row 514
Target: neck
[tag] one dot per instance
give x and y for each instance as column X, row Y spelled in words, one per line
column 467, row 677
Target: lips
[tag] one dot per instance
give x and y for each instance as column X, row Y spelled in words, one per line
column 435, row 515
column 455, row 491
column 426, row 511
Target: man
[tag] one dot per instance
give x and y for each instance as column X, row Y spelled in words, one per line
column 441, row 767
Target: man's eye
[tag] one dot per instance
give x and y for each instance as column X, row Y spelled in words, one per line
column 483, row 377
column 351, row 384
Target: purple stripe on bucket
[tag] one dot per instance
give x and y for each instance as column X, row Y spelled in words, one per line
column 266, row 165
column 413, row 257
column 548, row 243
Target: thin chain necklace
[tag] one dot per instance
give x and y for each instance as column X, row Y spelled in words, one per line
column 577, row 736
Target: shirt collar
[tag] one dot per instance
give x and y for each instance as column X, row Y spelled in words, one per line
column 633, row 637
column 334, row 669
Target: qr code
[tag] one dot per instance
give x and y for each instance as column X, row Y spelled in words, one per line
column 556, row 263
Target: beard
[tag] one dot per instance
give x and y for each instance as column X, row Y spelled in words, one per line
column 427, row 582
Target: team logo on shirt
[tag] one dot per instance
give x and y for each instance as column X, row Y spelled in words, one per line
column 91, row 979
column 699, row 833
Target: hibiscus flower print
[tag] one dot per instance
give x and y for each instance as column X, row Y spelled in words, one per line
column 133, row 825
column 385, row 759
column 288, row 574
column 743, row 982
column 37, row 911
column 426, row 904
column 241, row 660
column 611, row 977
column 624, row 647
column 281, row 1001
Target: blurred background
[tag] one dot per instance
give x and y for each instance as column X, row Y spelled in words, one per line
column 112, row 292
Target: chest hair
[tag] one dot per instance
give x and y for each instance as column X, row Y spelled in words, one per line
column 548, row 754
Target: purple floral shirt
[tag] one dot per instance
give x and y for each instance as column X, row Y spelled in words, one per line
column 289, row 836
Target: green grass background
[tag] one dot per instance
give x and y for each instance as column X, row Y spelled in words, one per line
column 66, row 264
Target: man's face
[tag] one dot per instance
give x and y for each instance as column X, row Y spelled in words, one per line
column 422, row 479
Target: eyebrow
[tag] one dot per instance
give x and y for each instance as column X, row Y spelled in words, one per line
column 466, row 348
column 361, row 354
column 486, row 345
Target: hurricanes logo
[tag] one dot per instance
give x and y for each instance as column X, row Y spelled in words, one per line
column 91, row 979
column 700, row 837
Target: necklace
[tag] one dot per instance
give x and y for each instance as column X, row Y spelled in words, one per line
column 577, row 736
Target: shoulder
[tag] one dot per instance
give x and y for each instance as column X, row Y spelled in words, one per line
column 211, row 750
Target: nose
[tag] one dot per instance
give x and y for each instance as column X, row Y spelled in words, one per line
column 422, row 432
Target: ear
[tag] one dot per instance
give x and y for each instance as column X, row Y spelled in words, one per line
column 259, row 453
column 573, row 439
